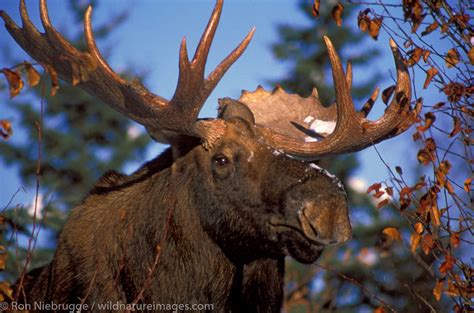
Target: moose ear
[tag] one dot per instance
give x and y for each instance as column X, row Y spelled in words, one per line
column 230, row 108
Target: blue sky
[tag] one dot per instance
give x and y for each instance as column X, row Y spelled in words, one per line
column 149, row 42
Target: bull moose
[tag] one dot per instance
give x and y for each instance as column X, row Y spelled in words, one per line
column 212, row 218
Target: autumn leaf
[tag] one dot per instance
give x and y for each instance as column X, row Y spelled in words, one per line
column 452, row 58
column 389, row 191
column 380, row 309
column 315, row 8
column 54, row 79
column 393, row 233
column 435, row 215
column 374, row 27
column 415, row 56
column 438, row 289
column 447, row 265
column 32, row 75
column 454, row 239
column 426, row 55
column 363, row 20
column 419, row 228
column 456, row 128
column 432, row 72
column 383, row 203
column 430, row 118
column 387, row 93
column 5, row 129
column 427, row 243
column 3, row 257
column 336, row 13
column 414, row 241
column 14, row 80
column 467, row 184
column 430, row 28
column 374, row 187
column 471, row 55
column 6, row 290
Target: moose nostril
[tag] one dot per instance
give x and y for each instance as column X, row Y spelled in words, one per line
column 323, row 224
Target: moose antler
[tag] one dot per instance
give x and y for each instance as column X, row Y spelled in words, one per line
column 349, row 131
column 164, row 120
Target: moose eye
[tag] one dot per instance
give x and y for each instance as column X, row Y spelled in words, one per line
column 221, row 160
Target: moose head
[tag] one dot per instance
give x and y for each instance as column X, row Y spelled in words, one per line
column 232, row 197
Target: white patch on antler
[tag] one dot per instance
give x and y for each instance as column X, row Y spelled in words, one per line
column 320, row 127
column 249, row 159
column 308, row 119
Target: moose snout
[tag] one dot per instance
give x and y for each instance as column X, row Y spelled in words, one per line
column 324, row 224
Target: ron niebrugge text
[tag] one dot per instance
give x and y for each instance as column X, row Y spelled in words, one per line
column 109, row 306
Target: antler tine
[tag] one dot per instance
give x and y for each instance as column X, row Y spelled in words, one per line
column 368, row 105
column 193, row 88
column 92, row 46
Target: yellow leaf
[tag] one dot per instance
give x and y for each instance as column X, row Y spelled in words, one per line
column 414, row 241
column 419, row 228
column 393, row 233
column 452, row 58
column 14, row 80
column 32, row 75
column 438, row 289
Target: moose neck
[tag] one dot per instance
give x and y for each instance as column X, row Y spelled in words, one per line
column 188, row 262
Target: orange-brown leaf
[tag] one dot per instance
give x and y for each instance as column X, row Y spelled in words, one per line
column 467, row 184
column 432, row 72
column 427, row 243
column 15, row 83
column 454, row 239
column 363, row 20
column 415, row 56
column 438, row 289
column 426, row 55
column 389, row 191
column 5, row 129
column 393, row 233
column 3, row 257
column 414, row 241
column 373, row 187
column 471, row 56
column 419, row 228
column 374, row 27
column 452, row 58
column 54, row 79
column 336, row 13
column 435, row 215
column 447, row 265
column 32, row 75
column 383, row 203
column 457, row 126
column 430, row 118
column 315, row 8
column 380, row 309
column 430, row 28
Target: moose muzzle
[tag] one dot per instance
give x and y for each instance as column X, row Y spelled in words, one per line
column 323, row 224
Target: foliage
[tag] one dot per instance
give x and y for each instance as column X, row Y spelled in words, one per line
column 70, row 139
column 408, row 256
